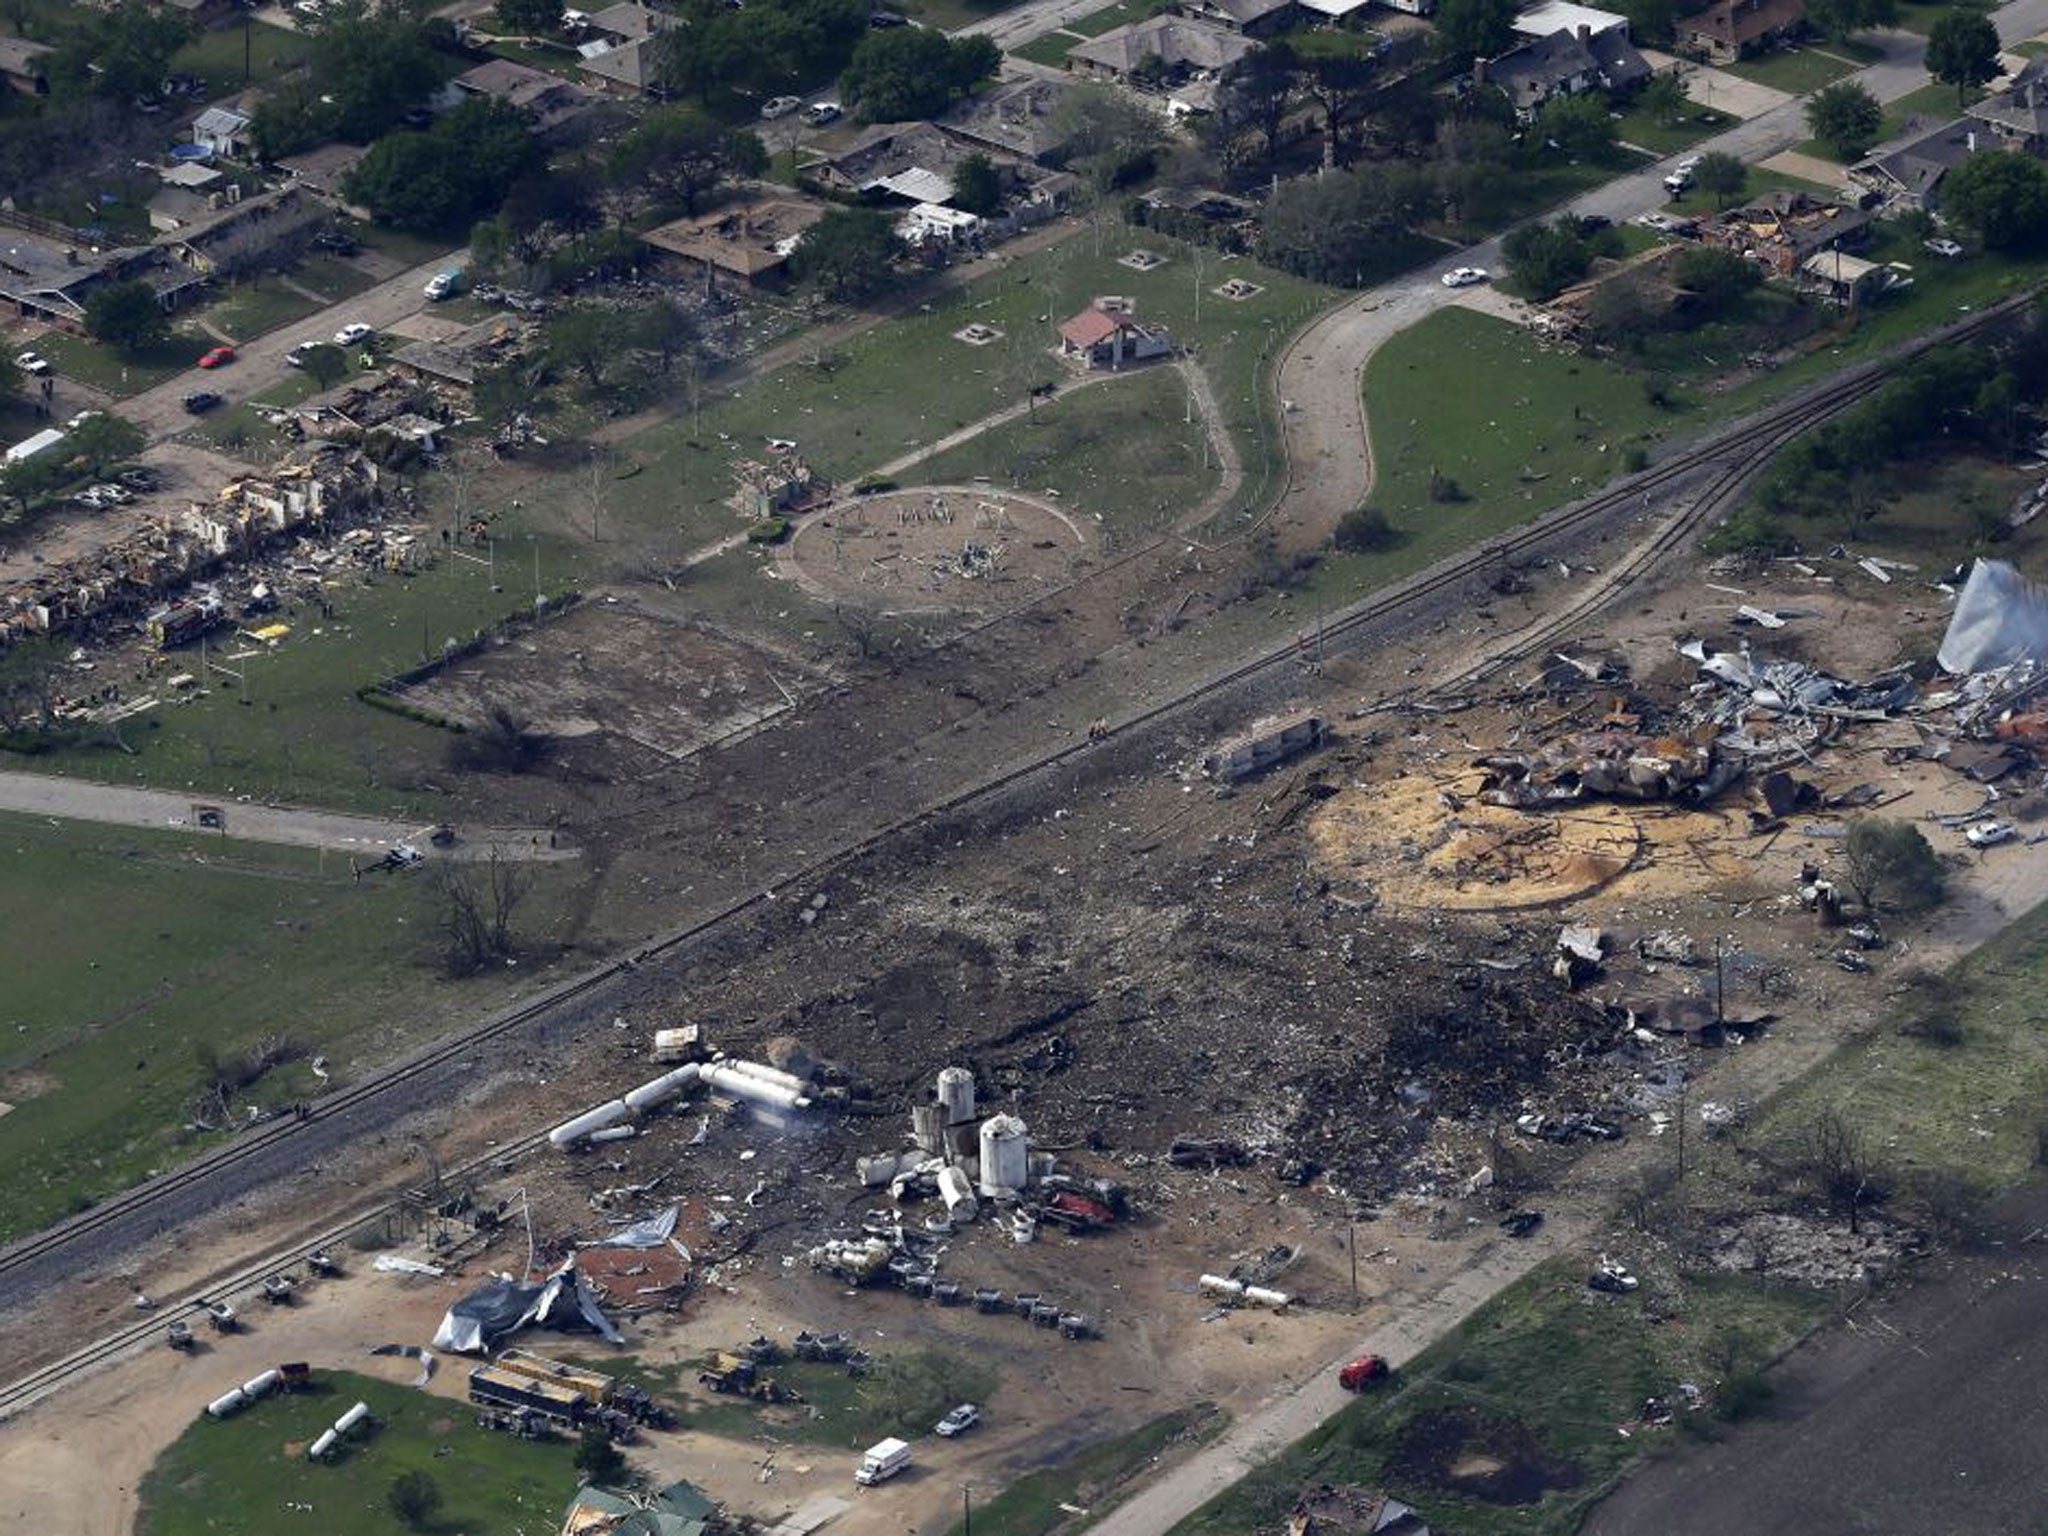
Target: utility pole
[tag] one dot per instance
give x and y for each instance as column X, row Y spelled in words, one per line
column 1353, row 1245
column 966, row 1509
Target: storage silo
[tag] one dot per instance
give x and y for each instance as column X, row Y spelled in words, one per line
column 956, row 1094
column 1005, row 1156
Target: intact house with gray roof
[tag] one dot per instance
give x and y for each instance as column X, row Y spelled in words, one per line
column 1563, row 64
column 1908, row 171
column 1171, row 49
column 22, row 67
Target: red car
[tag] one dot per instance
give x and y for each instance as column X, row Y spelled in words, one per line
column 219, row 357
column 1362, row 1373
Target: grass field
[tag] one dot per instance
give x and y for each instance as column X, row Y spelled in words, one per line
column 129, row 950
column 909, row 382
column 1793, row 70
column 1931, row 104
column 1122, row 453
column 239, row 1476
column 1637, row 127
column 247, row 310
column 1544, row 1373
column 1050, row 48
column 903, row 1395
column 122, row 374
column 1093, row 1480
column 217, row 56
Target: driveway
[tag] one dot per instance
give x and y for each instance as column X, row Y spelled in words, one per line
column 258, row 365
column 365, row 837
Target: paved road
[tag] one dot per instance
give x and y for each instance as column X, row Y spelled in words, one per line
column 364, row 836
column 1034, row 18
column 258, row 365
column 1326, row 430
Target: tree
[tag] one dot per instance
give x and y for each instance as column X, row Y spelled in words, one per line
column 1545, row 259
column 1340, row 228
column 849, row 254
column 1721, row 176
column 1663, row 99
column 1469, row 29
column 902, row 73
column 680, row 154
column 119, row 53
column 1845, row 117
column 1716, row 277
column 977, row 185
column 128, row 316
column 530, row 16
column 1962, row 50
column 1839, row 18
column 102, row 440
column 325, row 364
column 11, row 378
column 1106, row 136
column 2002, row 197
column 413, row 1497
column 1649, row 21
column 371, row 70
column 441, row 180
column 1254, row 101
column 667, row 332
column 473, row 910
column 597, row 1458
column 588, row 339
column 1342, row 86
column 1580, row 126
column 1890, row 863
column 1838, row 1159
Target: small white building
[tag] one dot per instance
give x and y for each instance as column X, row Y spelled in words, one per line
column 222, row 130
column 935, row 222
column 29, row 447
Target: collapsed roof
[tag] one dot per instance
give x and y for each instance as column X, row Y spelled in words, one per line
column 2001, row 618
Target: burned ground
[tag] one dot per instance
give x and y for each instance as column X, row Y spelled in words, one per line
column 1479, row 1454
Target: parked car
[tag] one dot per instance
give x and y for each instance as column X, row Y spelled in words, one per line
column 819, row 113
column 1943, row 247
column 200, row 401
column 81, row 419
column 349, row 335
column 140, row 479
column 958, row 1422
column 1612, row 1278
column 1464, row 277
column 1363, row 1372
column 881, row 21
column 779, row 106
column 32, row 362
column 218, row 357
column 1521, row 1223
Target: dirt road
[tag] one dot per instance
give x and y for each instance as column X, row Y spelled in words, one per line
column 363, row 836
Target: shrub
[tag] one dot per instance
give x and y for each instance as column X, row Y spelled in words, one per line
column 1364, row 530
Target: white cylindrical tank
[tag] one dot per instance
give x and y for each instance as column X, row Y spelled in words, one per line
column 1005, row 1156
column 259, row 1386
column 613, row 1133
column 956, row 1094
column 659, row 1090
column 321, row 1446
column 958, row 1194
column 741, row 1085
column 1259, row 1296
column 1222, row 1285
column 569, row 1132
column 227, row 1403
column 768, row 1074
column 879, row 1169
column 352, row 1418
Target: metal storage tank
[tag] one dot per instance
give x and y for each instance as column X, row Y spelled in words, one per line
column 958, row 1194
column 352, row 1418
column 569, row 1132
column 321, row 1446
column 227, row 1403
column 956, row 1094
column 1005, row 1156
column 659, row 1090
column 757, row 1090
column 257, row 1386
column 767, row 1074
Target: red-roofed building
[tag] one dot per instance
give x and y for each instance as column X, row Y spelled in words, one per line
column 1103, row 337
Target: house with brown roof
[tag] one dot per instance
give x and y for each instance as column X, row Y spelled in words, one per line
column 21, row 65
column 548, row 99
column 1107, row 335
column 1169, row 49
column 1732, row 29
column 749, row 241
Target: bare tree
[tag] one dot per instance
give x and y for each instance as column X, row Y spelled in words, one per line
column 597, row 488
column 474, row 907
column 1838, row 1158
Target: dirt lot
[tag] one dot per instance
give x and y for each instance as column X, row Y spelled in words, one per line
column 651, row 683
column 943, row 547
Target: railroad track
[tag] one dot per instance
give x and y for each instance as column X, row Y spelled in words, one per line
column 1740, row 452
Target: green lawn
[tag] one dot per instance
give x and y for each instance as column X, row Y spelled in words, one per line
column 1540, row 1377
column 242, row 1476
column 247, row 310
column 1049, row 49
column 240, row 427
column 217, row 56
column 950, row 15
column 1637, row 127
column 1535, row 189
column 127, row 950
column 1798, row 71
column 903, row 1395
column 119, row 373
column 907, row 383
column 330, row 277
column 1036, row 1504
column 1522, row 428
column 1110, row 17
column 401, row 245
column 1121, row 452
